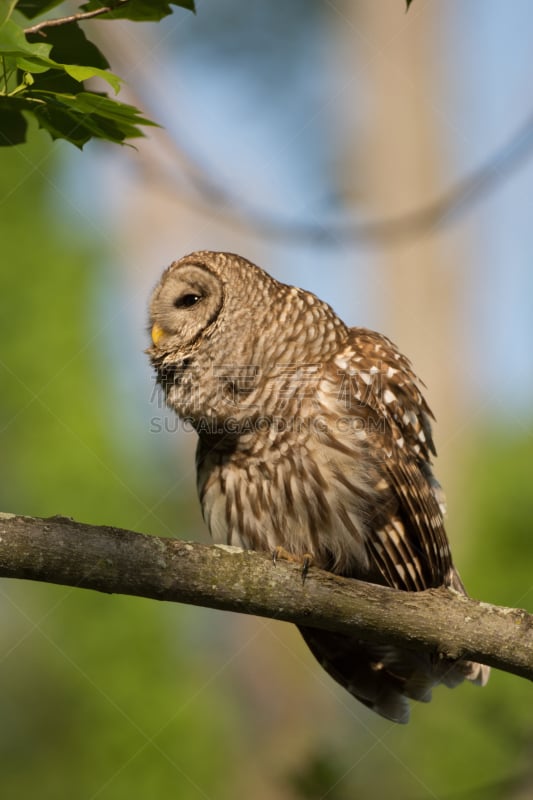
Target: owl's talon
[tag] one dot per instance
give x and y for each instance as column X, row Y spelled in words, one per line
column 306, row 560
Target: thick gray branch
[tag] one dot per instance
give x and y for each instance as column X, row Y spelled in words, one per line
column 59, row 550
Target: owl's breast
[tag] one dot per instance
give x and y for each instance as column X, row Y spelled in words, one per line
column 285, row 489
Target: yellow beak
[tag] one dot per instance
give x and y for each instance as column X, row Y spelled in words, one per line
column 157, row 333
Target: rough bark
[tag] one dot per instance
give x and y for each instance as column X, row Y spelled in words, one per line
column 112, row 560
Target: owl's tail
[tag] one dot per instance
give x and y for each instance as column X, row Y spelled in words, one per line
column 384, row 678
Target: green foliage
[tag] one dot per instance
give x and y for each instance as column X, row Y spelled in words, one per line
column 43, row 73
column 6, row 9
column 499, row 482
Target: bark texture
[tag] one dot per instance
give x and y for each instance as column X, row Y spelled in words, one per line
column 116, row 561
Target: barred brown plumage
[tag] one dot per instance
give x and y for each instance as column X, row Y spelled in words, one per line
column 313, row 437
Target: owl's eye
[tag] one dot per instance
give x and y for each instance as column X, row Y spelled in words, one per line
column 187, row 300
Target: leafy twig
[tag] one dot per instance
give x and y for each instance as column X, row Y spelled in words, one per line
column 82, row 15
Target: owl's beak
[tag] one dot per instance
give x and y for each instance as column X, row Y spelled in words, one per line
column 157, row 333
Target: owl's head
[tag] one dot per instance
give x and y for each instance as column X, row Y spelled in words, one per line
column 207, row 310
column 186, row 302
column 199, row 293
column 216, row 319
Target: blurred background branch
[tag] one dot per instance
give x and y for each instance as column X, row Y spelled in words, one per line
column 111, row 560
column 207, row 192
column 176, row 169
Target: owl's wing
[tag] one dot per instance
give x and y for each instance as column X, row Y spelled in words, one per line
column 405, row 537
column 387, row 427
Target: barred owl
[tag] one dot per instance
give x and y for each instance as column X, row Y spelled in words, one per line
column 312, row 437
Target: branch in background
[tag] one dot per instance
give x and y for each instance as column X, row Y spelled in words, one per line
column 112, row 560
column 208, row 192
column 381, row 232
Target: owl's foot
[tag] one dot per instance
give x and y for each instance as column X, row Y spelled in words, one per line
column 306, row 560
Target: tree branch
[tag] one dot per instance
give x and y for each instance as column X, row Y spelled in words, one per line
column 112, row 560
column 80, row 17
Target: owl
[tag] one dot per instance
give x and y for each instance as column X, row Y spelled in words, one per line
column 314, row 440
